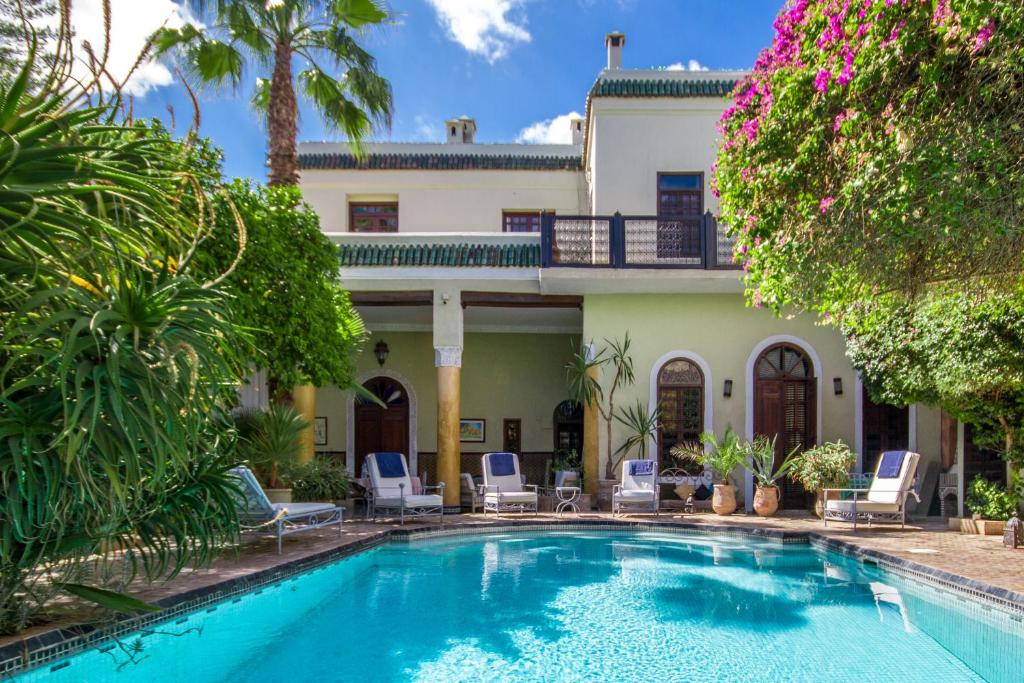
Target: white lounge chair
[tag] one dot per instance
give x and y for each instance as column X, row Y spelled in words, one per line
column 503, row 487
column 287, row 518
column 391, row 489
column 469, row 495
column 886, row 500
column 639, row 487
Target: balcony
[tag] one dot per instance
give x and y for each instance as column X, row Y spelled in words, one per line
column 634, row 242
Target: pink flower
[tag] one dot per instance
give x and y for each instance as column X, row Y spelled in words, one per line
column 743, row 249
column 821, row 80
column 984, row 35
column 825, row 203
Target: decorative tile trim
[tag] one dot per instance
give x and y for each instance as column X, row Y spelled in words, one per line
column 52, row 646
column 438, row 161
column 461, row 255
column 662, row 87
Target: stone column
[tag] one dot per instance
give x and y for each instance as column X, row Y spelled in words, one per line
column 448, row 360
column 591, row 439
column 447, row 320
column 304, row 400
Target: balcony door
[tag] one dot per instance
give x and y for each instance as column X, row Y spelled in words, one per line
column 785, row 408
column 680, row 210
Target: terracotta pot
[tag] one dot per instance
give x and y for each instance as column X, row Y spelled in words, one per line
column 604, row 494
column 766, row 500
column 723, row 502
column 819, row 504
column 279, row 495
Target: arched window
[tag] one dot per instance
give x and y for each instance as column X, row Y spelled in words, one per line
column 681, row 397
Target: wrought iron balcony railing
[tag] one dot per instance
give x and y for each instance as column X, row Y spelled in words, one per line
column 634, row 242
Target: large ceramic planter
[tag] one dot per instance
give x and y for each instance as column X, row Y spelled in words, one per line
column 723, row 502
column 819, row 504
column 279, row 495
column 604, row 494
column 766, row 500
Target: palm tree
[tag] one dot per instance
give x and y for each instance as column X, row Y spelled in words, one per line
column 270, row 34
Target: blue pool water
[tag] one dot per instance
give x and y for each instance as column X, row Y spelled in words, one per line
column 575, row 606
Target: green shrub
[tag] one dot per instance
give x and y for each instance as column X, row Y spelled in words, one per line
column 989, row 500
column 320, row 479
column 823, row 467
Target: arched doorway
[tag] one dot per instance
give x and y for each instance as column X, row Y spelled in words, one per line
column 380, row 429
column 681, row 397
column 567, row 421
column 784, row 407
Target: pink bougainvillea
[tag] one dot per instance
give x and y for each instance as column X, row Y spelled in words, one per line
column 790, row 157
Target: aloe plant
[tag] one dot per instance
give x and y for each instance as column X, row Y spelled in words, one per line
column 115, row 362
column 762, row 461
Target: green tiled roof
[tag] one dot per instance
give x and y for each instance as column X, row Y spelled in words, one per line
column 459, row 161
column 441, row 255
column 662, row 87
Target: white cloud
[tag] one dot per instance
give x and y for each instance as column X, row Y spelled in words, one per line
column 691, row 65
column 554, row 131
column 427, row 130
column 131, row 23
column 484, row 27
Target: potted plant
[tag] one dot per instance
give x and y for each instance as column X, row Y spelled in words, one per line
column 990, row 505
column 722, row 458
column 319, row 480
column 271, row 441
column 569, row 463
column 823, row 467
column 762, row 467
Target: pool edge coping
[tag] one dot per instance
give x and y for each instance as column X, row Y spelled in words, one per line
column 51, row 646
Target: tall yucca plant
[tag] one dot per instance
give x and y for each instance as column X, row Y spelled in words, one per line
column 114, row 361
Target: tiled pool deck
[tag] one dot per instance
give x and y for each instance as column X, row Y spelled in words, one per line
column 970, row 564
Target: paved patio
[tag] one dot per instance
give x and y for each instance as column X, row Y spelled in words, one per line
column 978, row 559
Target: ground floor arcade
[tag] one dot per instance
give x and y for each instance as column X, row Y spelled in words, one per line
column 488, row 373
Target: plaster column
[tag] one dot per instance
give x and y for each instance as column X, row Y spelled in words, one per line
column 591, row 439
column 448, row 361
column 304, row 400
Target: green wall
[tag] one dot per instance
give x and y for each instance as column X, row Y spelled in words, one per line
column 720, row 329
column 503, row 376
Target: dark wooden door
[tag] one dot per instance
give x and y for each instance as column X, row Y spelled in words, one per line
column 785, row 408
column 886, row 428
column 981, row 461
column 382, row 429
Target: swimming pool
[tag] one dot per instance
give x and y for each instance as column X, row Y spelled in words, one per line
column 567, row 606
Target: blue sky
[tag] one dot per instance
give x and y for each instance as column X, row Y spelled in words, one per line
column 508, row 63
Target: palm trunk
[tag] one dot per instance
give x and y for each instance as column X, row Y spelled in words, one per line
column 282, row 121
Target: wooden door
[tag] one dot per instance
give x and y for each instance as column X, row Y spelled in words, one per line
column 382, row 429
column 885, row 428
column 785, row 408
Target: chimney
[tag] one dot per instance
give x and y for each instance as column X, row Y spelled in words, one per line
column 460, row 131
column 614, row 42
column 576, row 125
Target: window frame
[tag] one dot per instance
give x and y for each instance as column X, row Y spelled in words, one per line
column 661, row 386
column 511, row 213
column 352, row 206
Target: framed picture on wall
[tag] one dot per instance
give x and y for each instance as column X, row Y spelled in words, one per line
column 319, row 431
column 472, row 430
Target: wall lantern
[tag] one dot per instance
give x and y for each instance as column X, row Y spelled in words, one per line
column 837, row 386
column 727, row 389
column 381, row 351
